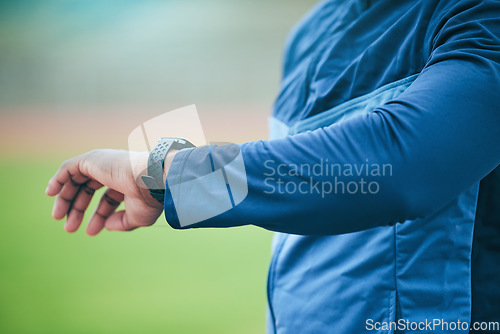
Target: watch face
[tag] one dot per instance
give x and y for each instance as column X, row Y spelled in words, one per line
column 180, row 143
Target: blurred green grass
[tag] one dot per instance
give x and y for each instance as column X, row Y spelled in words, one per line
column 152, row 280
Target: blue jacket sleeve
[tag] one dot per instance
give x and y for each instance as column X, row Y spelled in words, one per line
column 435, row 140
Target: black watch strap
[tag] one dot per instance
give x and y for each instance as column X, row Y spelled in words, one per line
column 156, row 161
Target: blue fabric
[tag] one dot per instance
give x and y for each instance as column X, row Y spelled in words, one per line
column 402, row 273
column 404, row 258
column 410, row 84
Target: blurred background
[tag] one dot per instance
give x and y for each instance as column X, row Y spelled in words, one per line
column 81, row 74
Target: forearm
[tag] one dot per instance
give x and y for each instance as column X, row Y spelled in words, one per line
column 436, row 150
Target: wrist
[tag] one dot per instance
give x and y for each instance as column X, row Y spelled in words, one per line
column 140, row 167
column 158, row 165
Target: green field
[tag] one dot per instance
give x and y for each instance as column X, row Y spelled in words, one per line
column 152, row 280
column 78, row 75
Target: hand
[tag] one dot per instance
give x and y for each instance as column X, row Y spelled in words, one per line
column 78, row 178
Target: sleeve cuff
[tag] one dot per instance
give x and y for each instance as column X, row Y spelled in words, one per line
column 203, row 183
column 174, row 175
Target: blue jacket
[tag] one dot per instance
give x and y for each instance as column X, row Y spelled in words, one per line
column 380, row 176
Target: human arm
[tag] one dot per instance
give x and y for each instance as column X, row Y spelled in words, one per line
column 440, row 137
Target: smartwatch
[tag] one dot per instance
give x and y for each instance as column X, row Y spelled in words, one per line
column 156, row 161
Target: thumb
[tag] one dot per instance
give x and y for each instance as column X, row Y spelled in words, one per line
column 119, row 221
column 136, row 214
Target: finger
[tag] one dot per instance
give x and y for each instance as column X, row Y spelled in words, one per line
column 107, row 206
column 69, row 170
column 119, row 222
column 64, row 199
column 80, row 205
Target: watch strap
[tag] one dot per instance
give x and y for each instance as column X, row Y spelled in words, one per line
column 156, row 162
